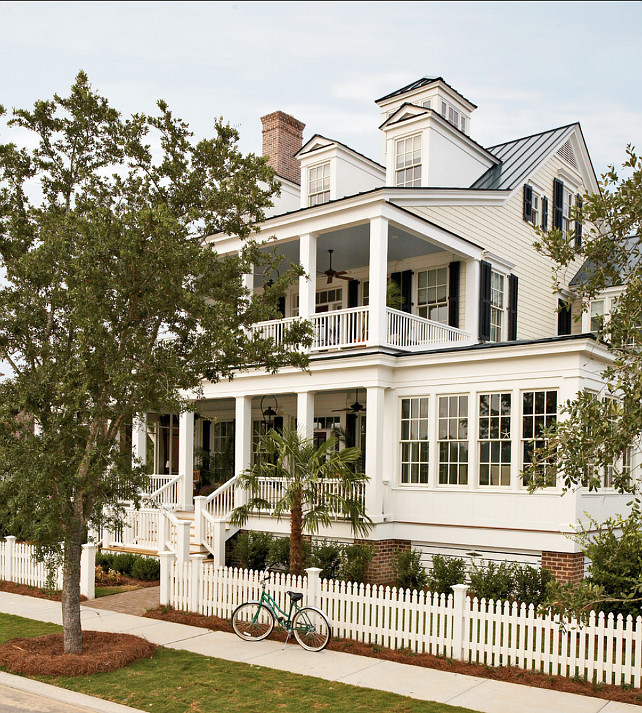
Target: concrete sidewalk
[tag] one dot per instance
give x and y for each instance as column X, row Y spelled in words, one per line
column 478, row 694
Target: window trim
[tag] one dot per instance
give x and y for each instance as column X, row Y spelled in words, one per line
column 312, row 195
column 490, row 487
column 416, row 288
column 430, row 398
column 416, row 181
column 521, row 440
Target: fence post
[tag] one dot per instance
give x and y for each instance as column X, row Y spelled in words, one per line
column 9, row 554
column 313, row 598
column 88, row 571
column 182, row 544
column 219, row 543
column 459, row 620
column 166, row 560
column 195, row 583
column 108, row 537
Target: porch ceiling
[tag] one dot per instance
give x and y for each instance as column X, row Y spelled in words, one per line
column 351, row 247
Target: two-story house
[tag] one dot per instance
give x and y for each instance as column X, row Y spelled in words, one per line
column 444, row 382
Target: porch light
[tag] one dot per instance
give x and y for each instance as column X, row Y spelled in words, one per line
column 269, row 414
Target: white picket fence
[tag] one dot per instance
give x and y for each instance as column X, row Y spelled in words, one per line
column 605, row 650
column 18, row 565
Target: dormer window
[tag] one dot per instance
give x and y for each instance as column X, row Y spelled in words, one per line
column 408, row 161
column 319, row 184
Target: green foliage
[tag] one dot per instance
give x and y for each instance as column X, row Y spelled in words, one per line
column 147, row 569
column 445, row 572
column 280, row 553
column 302, row 467
column 531, row 584
column 355, row 562
column 253, row 549
column 594, row 434
column 493, row 581
column 124, row 563
column 328, row 557
column 409, row 572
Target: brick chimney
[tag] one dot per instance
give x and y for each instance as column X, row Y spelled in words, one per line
column 282, row 138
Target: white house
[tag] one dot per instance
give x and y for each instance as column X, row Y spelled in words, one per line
column 444, row 393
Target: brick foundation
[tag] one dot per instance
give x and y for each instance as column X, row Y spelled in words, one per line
column 382, row 568
column 565, row 566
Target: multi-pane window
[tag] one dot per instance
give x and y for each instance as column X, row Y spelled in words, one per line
column 497, row 306
column 494, row 439
column 408, row 161
column 432, row 294
column 597, row 315
column 567, row 208
column 414, row 440
column 327, row 300
column 319, row 184
column 453, row 440
column 539, row 411
column 535, row 209
column 221, row 455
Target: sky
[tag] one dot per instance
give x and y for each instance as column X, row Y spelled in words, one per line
column 529, row 66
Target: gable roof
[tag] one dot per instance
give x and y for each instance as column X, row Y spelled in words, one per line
column 316, row 144
column 519, row 158
column 423, row 82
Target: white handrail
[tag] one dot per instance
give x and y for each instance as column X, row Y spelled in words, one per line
column 409, row 331
column 220, row 503
column 167, row 494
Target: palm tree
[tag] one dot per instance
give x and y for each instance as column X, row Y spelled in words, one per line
column 302, row 469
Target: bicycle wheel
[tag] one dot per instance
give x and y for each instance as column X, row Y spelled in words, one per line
column 311, row 629
column 252, row 621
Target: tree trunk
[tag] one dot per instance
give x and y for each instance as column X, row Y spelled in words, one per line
column 296, row 536
column 72, row 631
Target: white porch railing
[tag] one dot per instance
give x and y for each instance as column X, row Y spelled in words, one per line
column 163, row 490
column 272, row 490
column 139, row 530
column 346, row 328
column 408, row 331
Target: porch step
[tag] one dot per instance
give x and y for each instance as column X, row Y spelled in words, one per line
column 131, row 550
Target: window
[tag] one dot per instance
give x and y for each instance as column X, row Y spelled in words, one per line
column 539, row 411
column 327, row 300
column 319, row 184
column 426, row 103
column 497, row 306
column 567, row 208
column 597, row 315
column 166, row 437
column 432, row 294
column 408, row 161
column 414, row 440
column 221, row 451
column 494, row 439
column 453, row 440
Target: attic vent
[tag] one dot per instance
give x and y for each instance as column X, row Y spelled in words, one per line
column 567, row 153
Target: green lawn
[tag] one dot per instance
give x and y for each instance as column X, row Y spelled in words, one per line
column 182, row 682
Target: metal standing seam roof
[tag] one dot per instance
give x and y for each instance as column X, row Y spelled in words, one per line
column 519, row 158
column 589, row 268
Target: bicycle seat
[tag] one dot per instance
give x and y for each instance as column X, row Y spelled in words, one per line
column 295, row 596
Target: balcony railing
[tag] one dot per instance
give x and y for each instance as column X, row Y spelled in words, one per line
column 348, row 328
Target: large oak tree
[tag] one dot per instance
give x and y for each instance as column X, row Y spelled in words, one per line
column 113, row 302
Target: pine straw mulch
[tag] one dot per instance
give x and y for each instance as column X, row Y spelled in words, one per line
column 509, row 674
column 29, row 591
column 102, row 651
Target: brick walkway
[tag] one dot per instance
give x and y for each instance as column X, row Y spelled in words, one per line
column 135, row 603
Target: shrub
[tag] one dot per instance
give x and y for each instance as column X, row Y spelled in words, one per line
column 104, row 560
column 409, row 572
column 252, row 549
column 531, row 584
column 355, row 561
column 279, row 555
column 146, row 568
column 493, row 581
column 445, row 572
column 328, row 556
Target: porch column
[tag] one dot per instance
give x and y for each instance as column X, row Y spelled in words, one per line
column 186, row 460
column 473, row 281
column 242, row 441
column 305, row 413
column 375, row 443
column 378, row 280
column 139, row 439
column 308, row 285
column 247, row 280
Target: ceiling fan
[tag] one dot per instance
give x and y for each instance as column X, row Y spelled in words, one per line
column 340, row 274
column 356, row 407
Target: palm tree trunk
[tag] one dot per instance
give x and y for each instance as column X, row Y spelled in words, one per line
column 296, row 535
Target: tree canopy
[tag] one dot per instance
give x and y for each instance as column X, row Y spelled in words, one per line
column 597, row 432
column 114, row 301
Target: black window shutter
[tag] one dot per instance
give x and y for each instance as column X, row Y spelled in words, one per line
column 403, row 280
column 453, row 294
column 351, row 430
column 544, row 213
column 484, row 301
column 278, row 424
column 207, row 429
column 578, row 221
column 353, row 294
column 280, row 306
column 558, row 203
column 528, row 203
column 512, row 307
column 564, row 317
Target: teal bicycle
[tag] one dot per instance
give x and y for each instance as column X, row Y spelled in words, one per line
column 254, row 621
